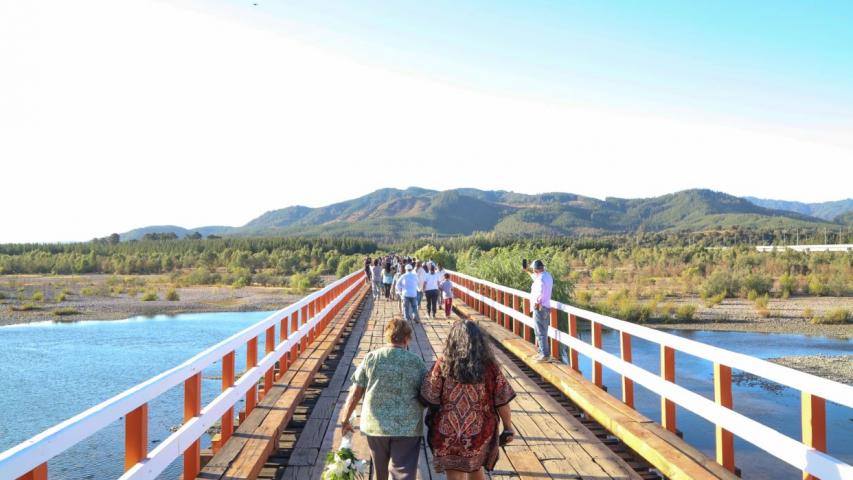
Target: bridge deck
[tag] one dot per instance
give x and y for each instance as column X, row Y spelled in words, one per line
column 550, row 443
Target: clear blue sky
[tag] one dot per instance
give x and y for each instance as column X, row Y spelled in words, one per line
column 784, row 62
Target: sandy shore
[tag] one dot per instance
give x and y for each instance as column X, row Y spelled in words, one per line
column 90, row 295
column 838, row 368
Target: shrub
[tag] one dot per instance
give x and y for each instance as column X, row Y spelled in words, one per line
column 808, row 313
column 88, row 292
column 787, row 285
column 715, row 300
column 685, row 312
column 61, row 296
column 666, row 310
column 65, row 311
column 833, row 317
column 600, row 275
column 817, row 286
column 583, row 297
column 2, row 296
column 172, row 295
column 720, row 283
column 758, row 283
column 149, row 296
column 38, row 296
column 761, row 304
column 302, row 282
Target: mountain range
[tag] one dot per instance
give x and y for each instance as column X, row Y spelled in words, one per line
column 417, row 212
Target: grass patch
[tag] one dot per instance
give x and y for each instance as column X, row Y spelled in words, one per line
column 66, row 311
column 38, row 296
column 25, row 307
column 835, row 316
column 149, row 296
column 686, row 312
column 172, row 295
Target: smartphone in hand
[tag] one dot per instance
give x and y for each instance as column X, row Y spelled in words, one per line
column 524, row 263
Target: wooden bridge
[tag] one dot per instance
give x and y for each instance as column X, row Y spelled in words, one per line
column 567, row 426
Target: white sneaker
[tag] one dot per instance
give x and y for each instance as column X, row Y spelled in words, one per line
column 540, row 358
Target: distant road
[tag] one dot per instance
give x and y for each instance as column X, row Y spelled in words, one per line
column 846, row 247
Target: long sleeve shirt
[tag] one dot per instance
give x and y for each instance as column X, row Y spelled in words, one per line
column 540, row 291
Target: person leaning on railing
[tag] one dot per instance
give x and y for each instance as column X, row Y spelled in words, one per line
column 540, row 297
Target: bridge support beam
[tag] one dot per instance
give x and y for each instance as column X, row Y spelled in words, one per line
column 627, row 383
column 813, row 424
column 667, row 371
column 723, row 396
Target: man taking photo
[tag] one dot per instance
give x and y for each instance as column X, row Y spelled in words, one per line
column 540, row 297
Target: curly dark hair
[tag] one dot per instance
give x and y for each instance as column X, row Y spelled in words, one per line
column 466, row 353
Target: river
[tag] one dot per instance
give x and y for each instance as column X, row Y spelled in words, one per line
column 52, row 371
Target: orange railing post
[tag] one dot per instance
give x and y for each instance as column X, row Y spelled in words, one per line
column 573, row 354
column 667, row 371
column 813, row 424
column 555, row 345
column 269, row 347
column 251, row 362
column 725, row 441
column 38, row 473
column 135, row 436
column 294, row 326
column 227, row 421
column 627, row 383
column 516, row 325
column 192, row 408
column 528, row 332
column 303, row 319
column 597, row 377
column 282, row 337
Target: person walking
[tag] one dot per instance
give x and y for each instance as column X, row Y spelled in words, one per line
column 377, row 279
column 387, row 280
column 431, row 280
column 466, row 392
column 540, row 297
column 407, row 289
column 389, row 381
column 446, row 287
column 421, row 271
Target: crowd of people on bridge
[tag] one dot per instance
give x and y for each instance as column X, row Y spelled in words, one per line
column 465, row 394
column 408, row 280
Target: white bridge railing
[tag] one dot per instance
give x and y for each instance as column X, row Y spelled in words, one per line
column 512, row 308
column 298, row 325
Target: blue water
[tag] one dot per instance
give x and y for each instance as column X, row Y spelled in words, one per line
column 52, row 371
column 769, row 403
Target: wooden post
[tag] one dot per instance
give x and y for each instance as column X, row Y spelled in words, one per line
column 516, row 305
column 627, row 383
column 493, row 296
column 723, row 396
column 505, row 300
column 528, row 332
column 573, row 354
column 294, row 326
column 251, row 362
column 555, row 345
column 192, row 408
column 135, row 436
column 667, row 371
column 269, row 347
column 303, row 319
column 597, row 377
column 282, row 337
column 311, row 312
column 227, row 420
column 813, row 424
column 38, row 473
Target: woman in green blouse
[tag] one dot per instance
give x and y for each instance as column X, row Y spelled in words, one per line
column 389, row 380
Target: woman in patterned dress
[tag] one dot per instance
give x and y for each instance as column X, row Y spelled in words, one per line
column 467, row 393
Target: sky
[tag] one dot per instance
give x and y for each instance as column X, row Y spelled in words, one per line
column 116, row 115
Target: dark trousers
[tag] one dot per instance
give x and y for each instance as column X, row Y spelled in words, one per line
column 432, row 301
column 387, row 290
column 397, row 456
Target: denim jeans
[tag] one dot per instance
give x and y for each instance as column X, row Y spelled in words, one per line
column 410, row 308
column 542, row 319
column 420, row 297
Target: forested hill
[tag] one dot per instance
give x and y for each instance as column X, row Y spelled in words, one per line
column 825, row 210
column 415, row 212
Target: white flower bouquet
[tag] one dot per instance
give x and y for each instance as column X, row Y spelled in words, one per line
column 342, row 464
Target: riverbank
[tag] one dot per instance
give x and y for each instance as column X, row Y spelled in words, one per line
column 26, row 299
column 793, row 316
column 838, row 368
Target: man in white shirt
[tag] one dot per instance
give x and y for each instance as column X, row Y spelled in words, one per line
column 407, row 289
column 540, row 297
